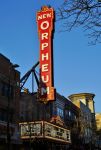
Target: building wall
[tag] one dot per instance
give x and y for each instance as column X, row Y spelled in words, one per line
column 87, row 115
column 86, row 98
column 32, row 109
column 98, row 121
column 61, row 112
column 98, row 130
column 9, row 91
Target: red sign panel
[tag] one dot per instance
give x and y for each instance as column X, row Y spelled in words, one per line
column 45, row 26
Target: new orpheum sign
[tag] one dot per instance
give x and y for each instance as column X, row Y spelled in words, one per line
column 45, row 19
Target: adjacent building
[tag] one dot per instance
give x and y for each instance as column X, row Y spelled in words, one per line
column 98, row 130
column 9, row 102
column 85, row 102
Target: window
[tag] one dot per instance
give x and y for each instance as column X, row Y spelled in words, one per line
column 5, row 89
column 60, row 112
column 4, row 115
column 69, row 113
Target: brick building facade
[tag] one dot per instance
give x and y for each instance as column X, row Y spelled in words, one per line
column 9, row 101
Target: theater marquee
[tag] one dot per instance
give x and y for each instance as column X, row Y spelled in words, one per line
column 44, row 130
column 45, row 19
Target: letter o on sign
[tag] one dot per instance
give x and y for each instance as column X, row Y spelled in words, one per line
column 44, row 25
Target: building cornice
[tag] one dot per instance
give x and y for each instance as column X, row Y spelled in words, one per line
column 81, row 95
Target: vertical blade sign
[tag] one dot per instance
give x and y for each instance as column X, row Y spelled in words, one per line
column 45, row 26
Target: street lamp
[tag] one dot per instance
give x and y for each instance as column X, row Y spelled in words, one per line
column 12, row 66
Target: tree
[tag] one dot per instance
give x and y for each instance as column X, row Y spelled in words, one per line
column 85, row 13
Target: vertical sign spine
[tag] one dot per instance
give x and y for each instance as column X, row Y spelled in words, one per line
column 45, row 19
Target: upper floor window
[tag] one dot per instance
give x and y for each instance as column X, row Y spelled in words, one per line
column 6, row 90
column 4, row 115
column 69, row 113
column 60, row 112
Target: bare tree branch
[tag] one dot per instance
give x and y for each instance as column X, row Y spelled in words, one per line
column 85, row 13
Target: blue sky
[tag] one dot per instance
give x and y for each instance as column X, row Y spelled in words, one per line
column 76, row 65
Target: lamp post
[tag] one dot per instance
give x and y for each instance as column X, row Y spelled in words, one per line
column 12, row 66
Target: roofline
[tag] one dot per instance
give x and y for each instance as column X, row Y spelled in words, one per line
column 81, row 94
column 4, row 57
